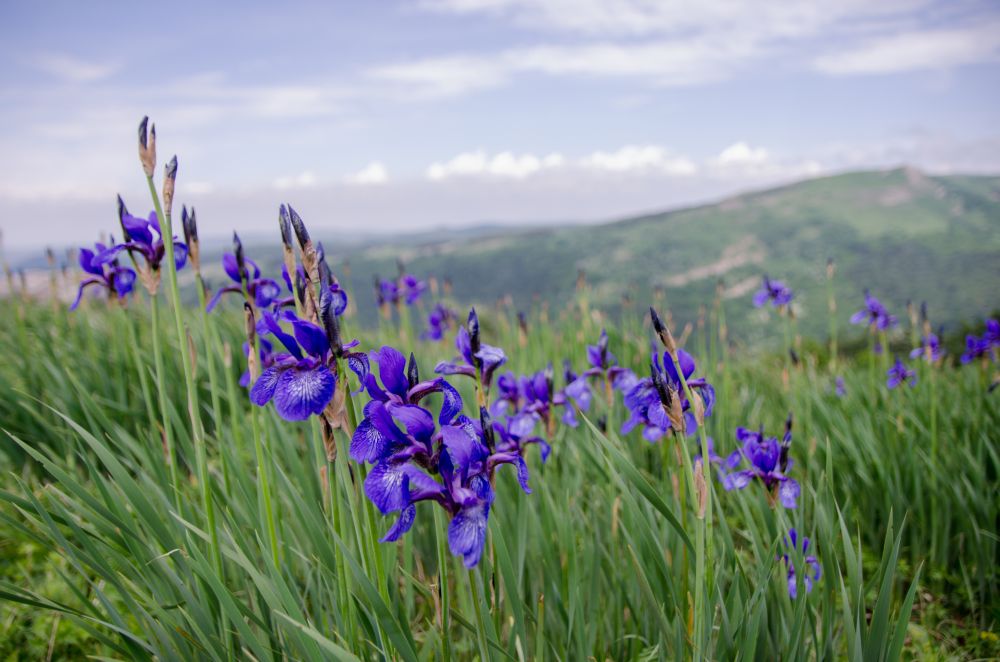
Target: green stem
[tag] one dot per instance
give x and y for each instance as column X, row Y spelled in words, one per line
column 194, row 413
column 475, row 582
column 440, row 526
column 161, row 388
column 704, row 552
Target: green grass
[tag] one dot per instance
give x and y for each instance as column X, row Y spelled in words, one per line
column 592, row 564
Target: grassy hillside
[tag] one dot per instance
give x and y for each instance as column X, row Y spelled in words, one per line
column 905, row 234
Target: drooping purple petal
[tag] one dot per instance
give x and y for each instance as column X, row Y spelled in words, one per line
column 302, row 392
column 311, row 337
column 403, row 524
column 392, row 370
column 263, row 388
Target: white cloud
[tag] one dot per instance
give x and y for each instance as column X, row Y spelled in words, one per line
column 685, row 61
column 645, row 158
column 373, row 173
column 73, row 69
column 928, row 49
column 741, row 153
column 502, row 164
column 305, row 179
column 630, row 18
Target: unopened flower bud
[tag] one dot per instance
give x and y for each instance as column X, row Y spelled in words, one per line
column 412, row 371
column 330, row 322
column 830, row 268
column 663, row 332
column 241, row 265
column 250, row 326
column 486, row 422
column 190, row 224
column 147, row 147
column 285, row 223
column 169, row 181
column 472, row 326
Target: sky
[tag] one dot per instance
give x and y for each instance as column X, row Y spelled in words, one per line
column 388, row 117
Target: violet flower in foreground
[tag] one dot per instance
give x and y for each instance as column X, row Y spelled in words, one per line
column 144, row 238
column 769, row 465
column 411, row 452
column 117, row 280
column 775, row 292
column 874, row 314
column 659, row 402
column 899, row 373
column 812, row 572
column 477, row 358
column 303, row 380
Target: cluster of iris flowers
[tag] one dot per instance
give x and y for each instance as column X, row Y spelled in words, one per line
column 985, row 347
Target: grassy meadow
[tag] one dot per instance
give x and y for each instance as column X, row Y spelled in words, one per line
column 149, row 510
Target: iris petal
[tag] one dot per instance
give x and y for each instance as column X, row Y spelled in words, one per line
column 301, row 392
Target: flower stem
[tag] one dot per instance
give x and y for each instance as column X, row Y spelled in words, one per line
column 197, row 432
column 704, row 552
column 161, row 388
column 440, row 526
column 475, row 582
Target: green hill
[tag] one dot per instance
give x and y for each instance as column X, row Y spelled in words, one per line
column 905, row 234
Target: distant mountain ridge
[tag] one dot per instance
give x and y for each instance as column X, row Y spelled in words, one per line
column 905, row 234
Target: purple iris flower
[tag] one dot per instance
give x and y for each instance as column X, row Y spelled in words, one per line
column 649, row 405
column 474, row 354
column 407, row 289
column 263, row 291
column 401, row 385
column 144, row 237
column 769, row 464
column 602, row 362
column 899, row 374
column 440, row 319
column 302, row 381
column 266, row 353
column 874, row 314
column 408, row 449
column 813, row 570
column 105, row 273
column 930, row 349
column 514, row 434
column 775, row 292
column 839, row 389
column 411, row 288
column 536, row 395
column 388, row 292
column 984, row 347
